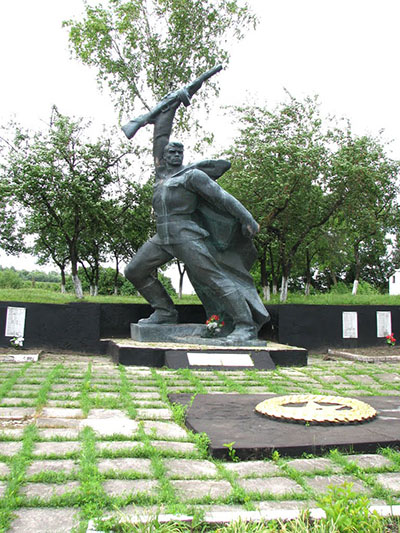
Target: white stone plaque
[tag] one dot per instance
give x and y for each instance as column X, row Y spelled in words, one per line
column 219, row 359
column 20, row 357
column 15, row 322
column 350, row 325
column 383, row 323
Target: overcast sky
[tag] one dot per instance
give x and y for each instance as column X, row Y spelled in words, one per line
column 346, row 51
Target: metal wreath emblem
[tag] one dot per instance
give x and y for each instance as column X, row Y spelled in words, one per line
column 316, row 409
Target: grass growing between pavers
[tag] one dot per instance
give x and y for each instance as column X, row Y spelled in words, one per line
column 18, row 465
column 337, row 519
column 94, row 489
column 125, row 392
column 11, row 378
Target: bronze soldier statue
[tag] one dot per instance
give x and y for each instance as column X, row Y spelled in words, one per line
column 201, row 225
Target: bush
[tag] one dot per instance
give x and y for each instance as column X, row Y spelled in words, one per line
column 366, row 288
column 340, row 288
column 166, row 281
column 127, row 289
column 9, row 279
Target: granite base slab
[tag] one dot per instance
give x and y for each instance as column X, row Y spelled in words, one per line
column 175, row 355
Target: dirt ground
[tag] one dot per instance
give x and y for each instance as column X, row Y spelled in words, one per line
column 373, row 351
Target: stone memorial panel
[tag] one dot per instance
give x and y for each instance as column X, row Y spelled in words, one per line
column 383, row 323
column 219, row 359
column 350, row 325
column 15, row 322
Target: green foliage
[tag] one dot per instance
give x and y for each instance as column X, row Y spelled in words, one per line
column 179, row 413
column 9, row 279
column 340, row 288
column 73, row 192
column 11, row 241
column 366, row 288
column 275, row 456
column 49, row 296
column 46, row 385
column 127, row 289
column 142, row 49
column 39, row 276
column 325, row 198
column 166, row 281
column 92, row 496
column 202, row 441
column 348, row 510
column 231, row 451
column 125, row 398
column 18, row 465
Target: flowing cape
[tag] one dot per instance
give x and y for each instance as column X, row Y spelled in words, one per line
column 234, row 252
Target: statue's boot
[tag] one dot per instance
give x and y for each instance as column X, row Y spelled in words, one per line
column 244, row 328
column 158, row 298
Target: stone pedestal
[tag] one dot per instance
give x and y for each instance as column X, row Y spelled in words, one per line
column 158, row 354
column 182, row 334
column 166, row 332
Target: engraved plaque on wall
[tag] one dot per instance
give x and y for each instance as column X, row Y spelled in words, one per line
column 15, row 322
column 350, row 325
column 383, row 323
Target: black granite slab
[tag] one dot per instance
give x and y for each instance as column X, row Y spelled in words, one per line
column 227, row 418
column 179, row 359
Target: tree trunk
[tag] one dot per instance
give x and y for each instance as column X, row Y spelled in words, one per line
column 181, row 276
column 273, row 272
column 355, row 287
column 75, row 278
column 358, row 269
column 308, row 274
column 94, row 290
column 266, row 292
column 116, row 275
column 96, row 279
column 307, row 288
column 284, row 288
column 77, row 286
column 63, row 283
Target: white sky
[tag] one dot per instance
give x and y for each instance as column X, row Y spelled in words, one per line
column 346, row 51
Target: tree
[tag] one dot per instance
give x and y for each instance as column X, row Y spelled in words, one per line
column 281, row 172
column 142, row 49
column 182, row 272
column 305, row 181
column 61, row 181
column 128, row 223
column 49, row 244
column 370, row 200
column 11, row 238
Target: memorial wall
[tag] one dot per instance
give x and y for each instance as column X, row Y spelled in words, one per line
column 79, row 327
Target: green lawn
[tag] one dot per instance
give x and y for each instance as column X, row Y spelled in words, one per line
column 45, row 296
column 51, row 297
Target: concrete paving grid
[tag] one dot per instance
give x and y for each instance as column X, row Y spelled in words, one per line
column 81, row 437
